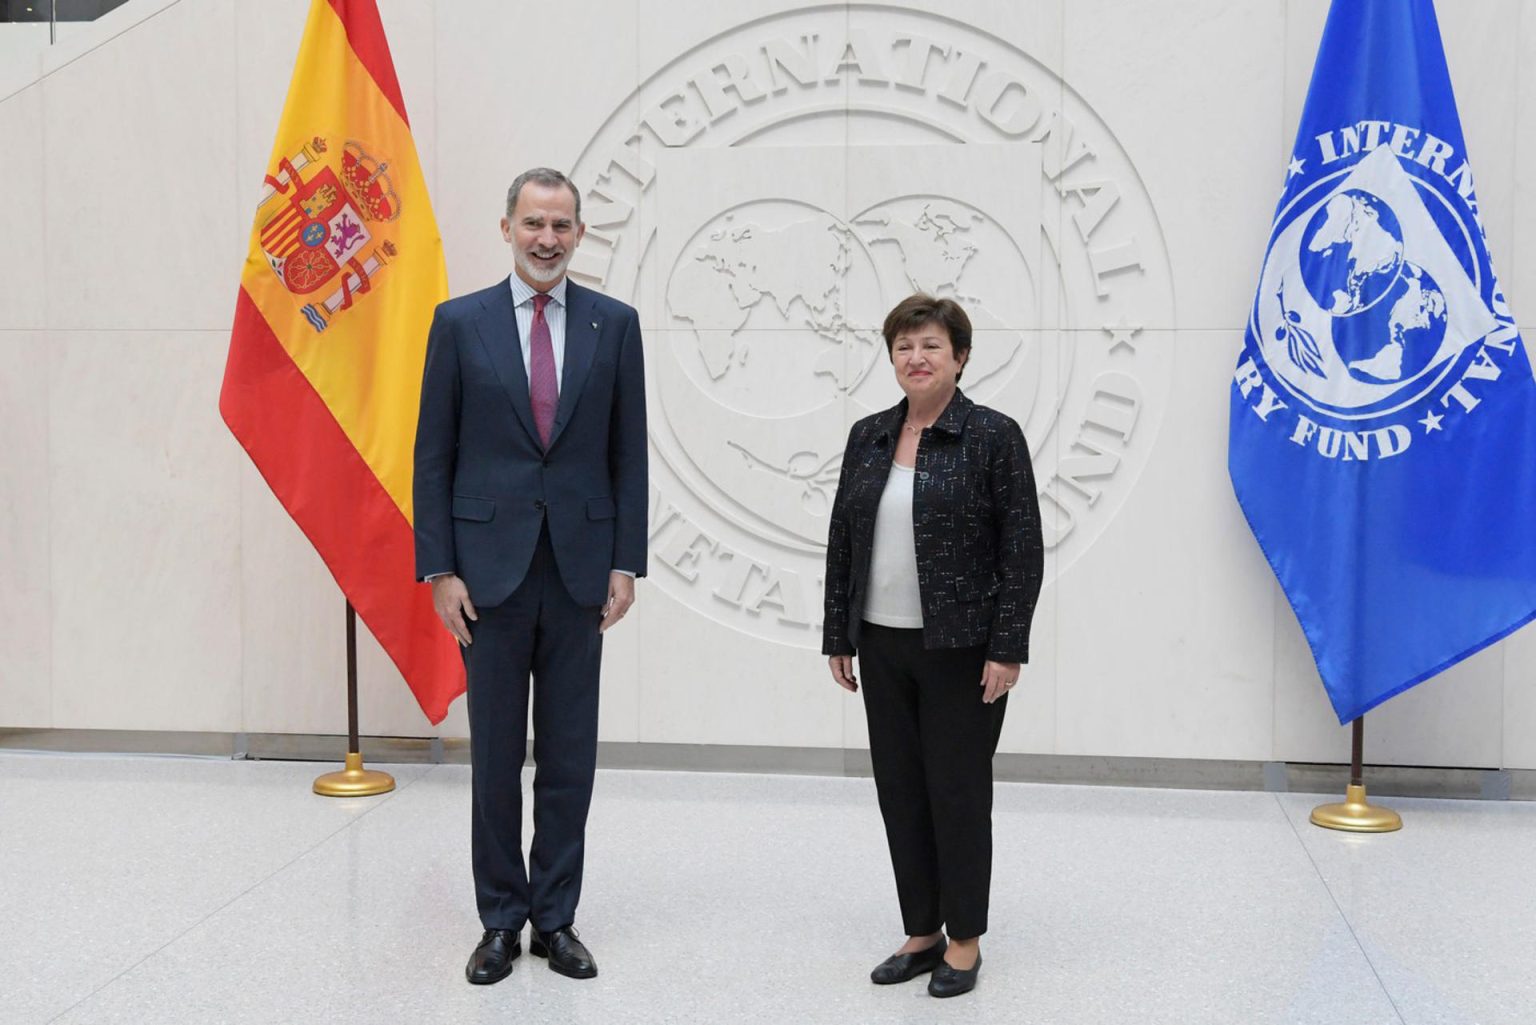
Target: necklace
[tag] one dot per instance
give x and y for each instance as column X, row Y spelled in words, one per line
column 914, row 430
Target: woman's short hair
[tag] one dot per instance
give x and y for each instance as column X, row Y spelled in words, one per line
column 920, row 310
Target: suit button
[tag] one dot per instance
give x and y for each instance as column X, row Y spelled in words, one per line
column 922, row 475
column 546, row 462
column 538, row 503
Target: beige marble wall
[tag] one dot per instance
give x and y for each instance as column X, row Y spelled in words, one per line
column 150, row 580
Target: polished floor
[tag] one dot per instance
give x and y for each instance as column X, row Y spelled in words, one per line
column 166, row 891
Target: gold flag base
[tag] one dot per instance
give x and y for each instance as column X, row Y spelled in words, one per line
column 1356, row 814
column 354, row 780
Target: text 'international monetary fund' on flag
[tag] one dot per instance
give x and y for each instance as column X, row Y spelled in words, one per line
column 344, row 269
column 1383, row 423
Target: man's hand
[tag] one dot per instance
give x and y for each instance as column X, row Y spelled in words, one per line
column 621, row 595
column 451, row 600
column 997, row 679
column 842, row 672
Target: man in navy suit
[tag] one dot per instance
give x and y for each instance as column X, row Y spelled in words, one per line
column 530, row 498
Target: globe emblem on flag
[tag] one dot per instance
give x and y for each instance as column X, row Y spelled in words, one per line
column 1387, row 314
column 1352, row 251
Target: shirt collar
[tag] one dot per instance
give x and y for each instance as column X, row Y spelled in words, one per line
column 522, row 292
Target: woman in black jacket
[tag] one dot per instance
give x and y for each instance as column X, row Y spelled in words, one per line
column 934, row 561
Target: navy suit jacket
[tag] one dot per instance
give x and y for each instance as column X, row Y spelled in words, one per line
column 484, row 483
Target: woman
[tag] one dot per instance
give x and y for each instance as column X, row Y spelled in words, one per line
column 934, row 559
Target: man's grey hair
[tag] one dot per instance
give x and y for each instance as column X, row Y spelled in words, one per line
column 546, row 176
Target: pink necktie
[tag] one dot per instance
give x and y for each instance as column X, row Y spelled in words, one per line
column 543, row 391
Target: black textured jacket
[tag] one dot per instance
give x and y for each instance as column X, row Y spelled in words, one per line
column 976, row 521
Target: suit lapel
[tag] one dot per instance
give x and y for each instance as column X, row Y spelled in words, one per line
column 497, row 327
column 581, row 330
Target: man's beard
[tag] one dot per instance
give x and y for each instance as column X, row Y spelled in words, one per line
column 539, row 274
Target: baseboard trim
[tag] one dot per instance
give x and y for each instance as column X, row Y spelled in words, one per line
column 1088, row 770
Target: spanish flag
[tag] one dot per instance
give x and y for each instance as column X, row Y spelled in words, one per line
column 344, row 270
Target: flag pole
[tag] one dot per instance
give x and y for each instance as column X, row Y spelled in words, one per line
column 354, row 780
column 1356, row 814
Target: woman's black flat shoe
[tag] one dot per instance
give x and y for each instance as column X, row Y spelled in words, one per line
column 948, row 981
column 906, row 967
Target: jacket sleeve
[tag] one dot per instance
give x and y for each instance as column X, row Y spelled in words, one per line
column 437, row 444
column 628, row 452
column 835, row 611
column 1020, row 547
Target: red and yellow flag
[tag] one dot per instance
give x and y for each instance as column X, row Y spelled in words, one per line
column 324, row 374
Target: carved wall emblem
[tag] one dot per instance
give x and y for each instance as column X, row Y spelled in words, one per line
column 766, row 197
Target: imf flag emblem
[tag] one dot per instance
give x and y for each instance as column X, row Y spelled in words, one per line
column 1382, row 424
column 1372, row 302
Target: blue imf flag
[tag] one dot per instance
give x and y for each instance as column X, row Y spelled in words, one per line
column 1383, row 426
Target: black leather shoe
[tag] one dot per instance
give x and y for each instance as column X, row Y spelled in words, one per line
column 948, row 981
column 493, row 957
column 567, row 955
column 906, row 967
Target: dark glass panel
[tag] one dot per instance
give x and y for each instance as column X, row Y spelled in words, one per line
column 69, row 10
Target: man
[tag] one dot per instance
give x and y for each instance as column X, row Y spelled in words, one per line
column 530, row 498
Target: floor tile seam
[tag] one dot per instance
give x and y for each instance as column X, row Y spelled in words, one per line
column 255, row 885
column 1343, row 917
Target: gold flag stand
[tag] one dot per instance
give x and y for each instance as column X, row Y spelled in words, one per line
column 1356, row 814
column 354, row 780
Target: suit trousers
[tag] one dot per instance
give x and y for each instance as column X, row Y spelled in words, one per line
column 542, row 631
column 931, row 739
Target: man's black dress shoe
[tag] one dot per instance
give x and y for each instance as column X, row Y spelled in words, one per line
column 948, row 981
column 492, row 959
column 905, row 967
column 567, row 955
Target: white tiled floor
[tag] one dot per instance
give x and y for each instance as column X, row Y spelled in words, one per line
column 145, row 890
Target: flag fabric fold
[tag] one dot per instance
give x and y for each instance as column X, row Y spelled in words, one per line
column 1383, row 413
column 344, row 270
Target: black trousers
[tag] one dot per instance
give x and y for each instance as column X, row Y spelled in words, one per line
column 539, row 630
column 931, row 739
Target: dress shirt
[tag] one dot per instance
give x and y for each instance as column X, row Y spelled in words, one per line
column 554, row 315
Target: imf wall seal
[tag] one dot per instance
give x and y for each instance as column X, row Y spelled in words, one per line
column 766, row 197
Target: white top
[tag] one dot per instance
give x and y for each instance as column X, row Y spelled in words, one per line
column 893, row 598
column 554, row 316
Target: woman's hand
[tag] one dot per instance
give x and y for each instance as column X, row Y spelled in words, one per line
column 997, row 679
column 842, row 672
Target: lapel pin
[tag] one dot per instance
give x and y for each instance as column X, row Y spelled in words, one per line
column 594, row 325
